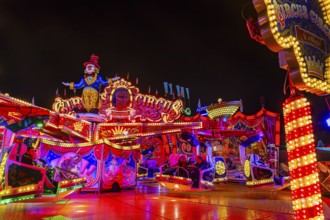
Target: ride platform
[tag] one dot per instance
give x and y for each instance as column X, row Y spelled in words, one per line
column 149, row 200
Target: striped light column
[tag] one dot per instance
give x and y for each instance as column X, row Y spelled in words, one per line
column 304, row 178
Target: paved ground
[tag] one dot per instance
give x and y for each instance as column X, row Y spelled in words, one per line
column 151, row 201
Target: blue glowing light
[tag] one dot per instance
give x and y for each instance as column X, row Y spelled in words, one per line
column 328, row 121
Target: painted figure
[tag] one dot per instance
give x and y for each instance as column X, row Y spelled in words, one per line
column 91, row 83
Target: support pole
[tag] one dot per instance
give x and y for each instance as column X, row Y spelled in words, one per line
column 304, row 178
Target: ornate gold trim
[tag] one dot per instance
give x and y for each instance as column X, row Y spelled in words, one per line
column 92, row 81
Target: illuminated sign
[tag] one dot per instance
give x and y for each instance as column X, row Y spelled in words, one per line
column 300, row 31
column 66, row 106
column 123, row 101
column 157, row 109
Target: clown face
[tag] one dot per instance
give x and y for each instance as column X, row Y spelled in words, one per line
column 90, row 68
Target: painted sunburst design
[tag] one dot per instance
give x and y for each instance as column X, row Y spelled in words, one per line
column 119, row 131
column 14, row 114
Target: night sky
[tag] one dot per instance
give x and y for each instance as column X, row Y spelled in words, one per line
column 200, row 44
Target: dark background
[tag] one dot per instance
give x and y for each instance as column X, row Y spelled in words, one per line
column 203, row 45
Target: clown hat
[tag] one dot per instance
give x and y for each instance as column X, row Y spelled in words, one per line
column 93, row 60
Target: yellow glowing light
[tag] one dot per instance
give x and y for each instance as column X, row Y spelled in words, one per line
column 2, row 166
column 304, row 181
column 247, row 168
column 259, row 182
column 306, row 202
column 219, row 180
column 220, row 110
column 223, row 109
column 220, row 168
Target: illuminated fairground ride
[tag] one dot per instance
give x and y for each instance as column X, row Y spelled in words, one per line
column 95, row 151
column 244, row 148
column 20, row 124
column 259, row 153
column 107, row 150
column 230, row 142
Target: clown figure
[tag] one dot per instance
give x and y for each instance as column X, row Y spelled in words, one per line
column 91, row 83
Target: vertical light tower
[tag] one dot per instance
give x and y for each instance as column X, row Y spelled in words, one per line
column 305, row 188
column 300, row 32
